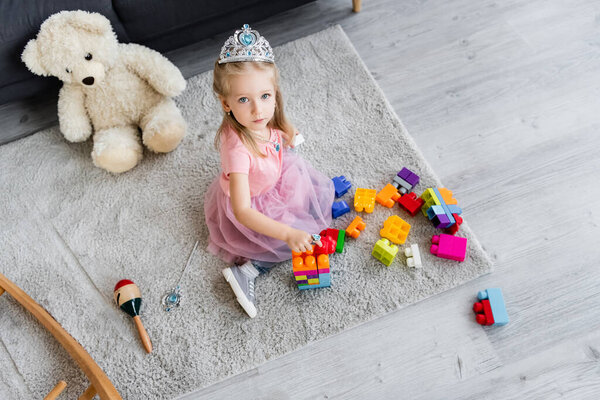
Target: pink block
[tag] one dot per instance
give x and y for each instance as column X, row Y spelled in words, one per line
column 324, row 271
column 310, row 272
column 448, row 246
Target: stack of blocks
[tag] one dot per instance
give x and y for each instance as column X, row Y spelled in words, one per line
column 490, row 309
column 311, row 270
column 405, row 181
column 440, row 207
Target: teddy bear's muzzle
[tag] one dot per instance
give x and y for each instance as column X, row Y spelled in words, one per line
column 88, row 80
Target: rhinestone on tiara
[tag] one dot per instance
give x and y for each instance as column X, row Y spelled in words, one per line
column 246, row 44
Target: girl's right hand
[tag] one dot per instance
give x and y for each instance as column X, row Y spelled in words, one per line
column 299, row 241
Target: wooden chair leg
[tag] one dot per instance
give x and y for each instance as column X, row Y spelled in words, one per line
column 58, row 389
column 89, row 393
column 356, row 5
column 1, row 291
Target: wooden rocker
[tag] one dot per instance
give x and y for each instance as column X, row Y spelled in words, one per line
column 99, row 382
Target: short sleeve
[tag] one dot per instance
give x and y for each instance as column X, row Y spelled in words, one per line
column 235, row 157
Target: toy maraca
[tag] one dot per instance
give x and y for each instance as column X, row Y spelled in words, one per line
column 129, row 299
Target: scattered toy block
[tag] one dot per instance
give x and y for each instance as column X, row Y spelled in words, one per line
column 483, row 313
column 355, row 227
column 405, row 180
column 388, row 196
column 449, row 247
column 364, row 200
column 341, row 184
column 411, row 203
column 384, row 251
column 395, row 229
column 340, row 241
column 454, row 228
column 413, row 256
column 493, row 299
column 339, row 208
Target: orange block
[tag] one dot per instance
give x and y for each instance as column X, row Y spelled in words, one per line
column 388, row 196
column 364, row 200
column 355, row 227
column 447, row 196
column 395, row 229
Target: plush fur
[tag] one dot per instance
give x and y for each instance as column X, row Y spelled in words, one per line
column 109, row 88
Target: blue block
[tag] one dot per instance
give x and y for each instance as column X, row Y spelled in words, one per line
column 342, row 185
column 494, row 295
column 325, row 279
column 320, row 285
column 339, row 208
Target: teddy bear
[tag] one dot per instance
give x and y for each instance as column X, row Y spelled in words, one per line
column 113, row 90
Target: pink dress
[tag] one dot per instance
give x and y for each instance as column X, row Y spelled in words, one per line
column 283, row 186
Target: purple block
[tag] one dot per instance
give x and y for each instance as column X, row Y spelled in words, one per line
column 441, row 221
column 409, row 176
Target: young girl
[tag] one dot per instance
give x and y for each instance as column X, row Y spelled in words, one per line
column 267, row 200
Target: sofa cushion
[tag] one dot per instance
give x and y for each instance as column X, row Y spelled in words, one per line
column 166, row 24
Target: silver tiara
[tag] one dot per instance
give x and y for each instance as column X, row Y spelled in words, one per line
column 246, row 45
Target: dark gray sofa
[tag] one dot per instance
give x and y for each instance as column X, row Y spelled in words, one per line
column 162, row 25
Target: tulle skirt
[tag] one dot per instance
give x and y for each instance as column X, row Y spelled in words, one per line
column 301, row 198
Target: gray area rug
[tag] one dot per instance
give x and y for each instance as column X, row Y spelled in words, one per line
column 70, row 231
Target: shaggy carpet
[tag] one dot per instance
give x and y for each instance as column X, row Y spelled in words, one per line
column 70, row 231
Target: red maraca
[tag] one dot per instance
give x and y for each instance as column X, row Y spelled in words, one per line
column 129, row 299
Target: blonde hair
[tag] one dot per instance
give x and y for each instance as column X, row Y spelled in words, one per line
column 221, row 87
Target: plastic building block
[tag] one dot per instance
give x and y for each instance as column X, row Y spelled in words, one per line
column 355, row 227
column 328, row 245
column 341, row 184
column 484, row 314
column 440, row 207
column 454, row 228
column 395, row 229
column 311, row 270
column 384, row 251
column 405, row 181
column 340, row 241
column 493, row 299
column 388, row 196
column 364, row 200
column 339, row 208
column 411, row 203
column 448, row 246
column 413, row 256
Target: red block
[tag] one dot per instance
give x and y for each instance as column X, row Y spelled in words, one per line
column 483, row 312
column 454, row 228
column 328, row 246
column 411, row 203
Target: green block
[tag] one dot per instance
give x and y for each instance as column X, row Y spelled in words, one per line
column 384, row 251
column 340, row 241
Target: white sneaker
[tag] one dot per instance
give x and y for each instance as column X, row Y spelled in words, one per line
column 241, row 279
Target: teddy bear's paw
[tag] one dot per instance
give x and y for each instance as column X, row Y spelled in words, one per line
column 165, row 137
column 174, row 85
column 76, row 131
column 117, row 149
column 117, row 159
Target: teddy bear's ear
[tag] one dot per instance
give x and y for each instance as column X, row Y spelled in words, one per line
column 31, row 58
column 91, row 22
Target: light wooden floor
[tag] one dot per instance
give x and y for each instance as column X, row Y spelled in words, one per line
column 503, row 98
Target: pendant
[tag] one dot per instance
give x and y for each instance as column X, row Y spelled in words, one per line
column 276, row 146
column 172, row 299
